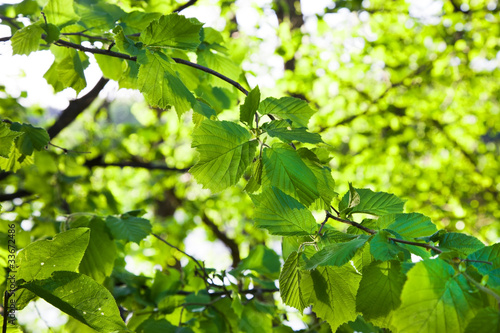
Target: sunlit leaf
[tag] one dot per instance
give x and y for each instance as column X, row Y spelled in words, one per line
column 297, row 110
column 337, row 254
column 173, row 31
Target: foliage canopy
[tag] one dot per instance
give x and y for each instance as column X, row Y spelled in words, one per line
column 105, row 232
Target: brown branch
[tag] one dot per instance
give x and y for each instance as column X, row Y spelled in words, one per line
column 229, row 242
column 76, row 107
column 184, row 6
column 427, row 246
column 354, row 224
column 98, row 162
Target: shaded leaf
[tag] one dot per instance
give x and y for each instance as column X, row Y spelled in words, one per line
column 465, row 244
column 337, row 254
column 282, row 130
column 32, row 138
column 289, row 280
column 297, row 110
column 128, row 227
column 384, row 249
column 7, row 137
column 250, row 106
column 487, row 320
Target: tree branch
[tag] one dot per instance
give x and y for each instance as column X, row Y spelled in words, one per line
column 15, row 195
column 76, row 107
column 354, row 224
column 184, row 6
column 229, row 242
column 98, row 162
column 427, row 246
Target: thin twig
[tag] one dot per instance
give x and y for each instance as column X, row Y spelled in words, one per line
column 186, row 254
column 66, row 151
column 323, row 224
column 427, row 246
column 354, row 224
column 482, row 288
column 184, row 6
column 6, row 297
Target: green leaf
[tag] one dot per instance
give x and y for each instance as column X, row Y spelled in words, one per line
column 67, row 69
column 126, row 44
column 282, row 215
column 465, row 244
column 201, row 299
column 290, row 277
column 33, row 138
column 219, row 63
column 282, row 130
column 487, row 320
column 489, row 254
column 60, row 12
column 173, row 31
column 332, row 292
column 64, row 252
column 323, row 174
column 249, row 108
column 375, row 203
column 255, row 321
column 162, row 87
column 297, row 110
column 256, row 178
column 128, row 227
column 7, row 137
column 225, row 153
column 52, row 33
column 284, row 169
column 111, row 67
column 151, row 325
column 27, row 39
column 80, row 297
column 384, row 249
column 379, row 290
column 337, row 254
column 99, row 258
column 261, row 260
column 409, row 226
column 435, row 299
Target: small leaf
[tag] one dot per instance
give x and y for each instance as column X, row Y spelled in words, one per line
column 33, row 138
column 60, row 12
column 282, row 130
column 282, row 215
column 256, row 178
column 52, row 32
column 297, row 110
column 409, row 226
column 249, row 108
column 80, row 297
column 225, row 153
column 465, row 244
column 7, row 137
column 384, row 249
column 174, row 31
column 128, row 227
column 336, row 254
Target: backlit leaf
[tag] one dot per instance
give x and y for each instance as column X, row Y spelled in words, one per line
column 297, row 110
column 174, row 31
column 27, row 39
column 282, row 130
column 337, row 254
column 290, row 277
column 375, row 203
column 249, row 107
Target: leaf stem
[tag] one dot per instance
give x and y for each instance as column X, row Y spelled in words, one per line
column 482, row 288
column 354, row 224
column 427, row 246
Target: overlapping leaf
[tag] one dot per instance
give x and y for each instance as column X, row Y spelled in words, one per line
column 250, row 106
column 60, row 12
column 435, row 299
column 225, row 153
column 80, row 297
column 336, row 254
column 162, row 87
column 294, row 109
column 27, row 39
column 290, row 277
column 284, row 169
column 128, row 227
column 384, row 249
column 282, row 215
column 409, row 226
column 282, row 130
column 7, row 137
column 173, row 31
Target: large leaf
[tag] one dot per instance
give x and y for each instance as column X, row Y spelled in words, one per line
column 99, row 258
column 27, row 39
column 409, row 226
column 250, row 106
column 290, row 277
column 282, row 130
column 174, row 31
column 488, row 254
column 225, row 153
column 487, row 320
column 435, row 299
column 60, row 12
column 297, row 110
column 336, row 254
column 282, row 215
column 80, row 297
column 332, row 292
column 283, row 168
column 255, row 321
column 379, row 290
column 221, row 64
column 64, row 252
column 128, row 227
column 464, row 244
column 375, row 203
column 67, row 69
column 161, row 85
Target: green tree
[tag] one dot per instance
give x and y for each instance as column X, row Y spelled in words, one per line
column 110, row 206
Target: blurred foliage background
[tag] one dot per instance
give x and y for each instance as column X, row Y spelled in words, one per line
column 407, row 98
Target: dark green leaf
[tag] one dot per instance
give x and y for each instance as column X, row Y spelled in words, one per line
column 33, row 138
column 384, row 249
column 128, row 227
column 487, row 320
column 261, row 260
column 249, row 108
column 282, row 130
column 465, row 244
column 337, row 254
